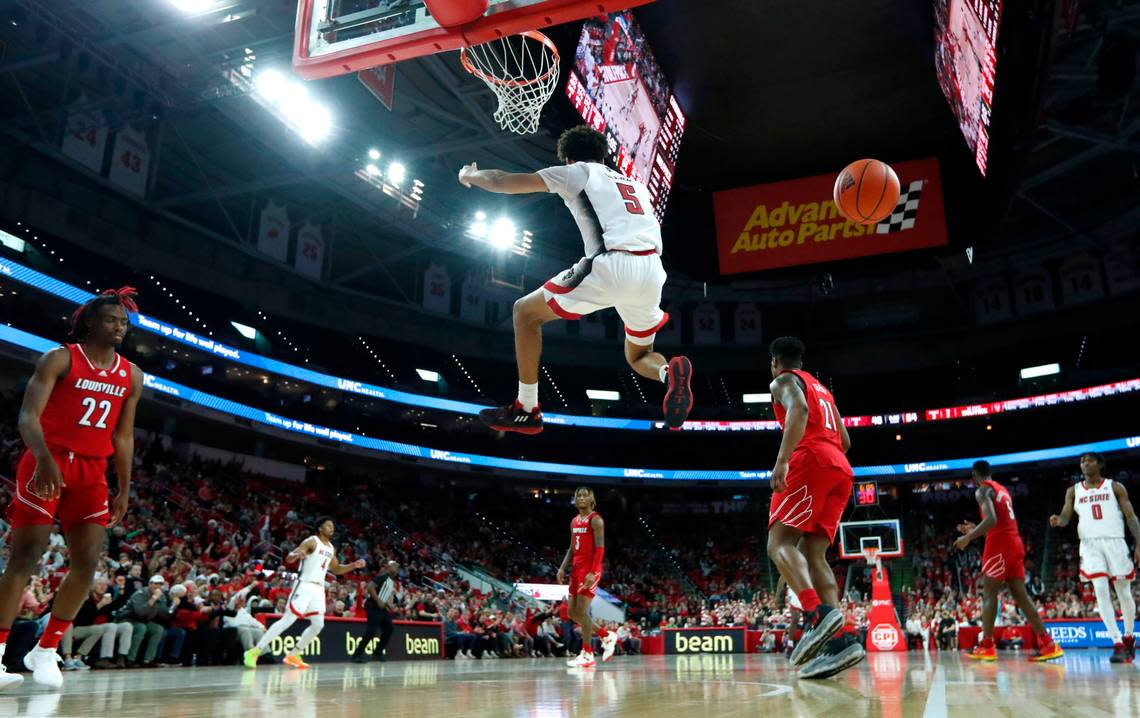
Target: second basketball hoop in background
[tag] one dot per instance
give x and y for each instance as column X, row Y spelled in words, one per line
column 522, row 71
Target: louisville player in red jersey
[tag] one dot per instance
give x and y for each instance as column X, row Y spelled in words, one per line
column 811, row 486
column 78, row 409
column 1003, row 561
column 587, row 547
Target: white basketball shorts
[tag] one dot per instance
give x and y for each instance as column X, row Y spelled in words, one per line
column 630, row 283
column 307, row 599
column 1106, row 558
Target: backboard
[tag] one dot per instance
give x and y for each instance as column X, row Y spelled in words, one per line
column 335, row 37
column 885, row 534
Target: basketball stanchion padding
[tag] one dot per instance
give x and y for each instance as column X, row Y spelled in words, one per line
column 522, row 71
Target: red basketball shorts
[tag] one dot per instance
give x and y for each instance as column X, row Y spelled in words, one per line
column 82, row 500
column 815, row 497
column 1003, row 558
column 578, row 585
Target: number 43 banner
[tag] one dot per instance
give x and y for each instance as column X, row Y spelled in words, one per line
column 130, row 162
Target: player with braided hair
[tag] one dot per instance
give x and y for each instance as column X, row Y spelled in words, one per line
column 78, row 409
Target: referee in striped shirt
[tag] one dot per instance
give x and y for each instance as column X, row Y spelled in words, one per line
column 379, row 605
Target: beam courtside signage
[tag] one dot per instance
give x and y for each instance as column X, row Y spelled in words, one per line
column 784, row 224
column 687, row 641
column 411, row 641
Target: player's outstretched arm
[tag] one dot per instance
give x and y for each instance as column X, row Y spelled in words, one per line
column 53, row 365
column 1066, row 515
column 123, row 441
column 501, row 182
column 1129, row 516
column 337, row 568
column 787, row 392
column 985, row 499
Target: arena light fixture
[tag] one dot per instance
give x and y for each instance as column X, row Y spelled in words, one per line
column 757, row 399
column 603, row 395
column 373, row 154
column 503, row 233
column 1036, row 372
column 372, row 170
column 428, row 375
column 246, row 331
column 192, row 6
column 396, row 173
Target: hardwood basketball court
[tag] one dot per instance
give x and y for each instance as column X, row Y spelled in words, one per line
column 889, row 685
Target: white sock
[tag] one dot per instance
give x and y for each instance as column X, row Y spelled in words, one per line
column 1127, row 605
column 307, row 637
column 1104, row 605
column 528, row 396
column 279, row 627
column 663, row 373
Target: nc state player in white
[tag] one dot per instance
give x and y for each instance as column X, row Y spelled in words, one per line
column 79, row 409
column 621, row 269
column 1103, row 508
column 317, row 557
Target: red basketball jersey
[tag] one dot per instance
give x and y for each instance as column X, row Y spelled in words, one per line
column 1003, row 508
column 583, row 537
column 84, row 406
column 821, row 436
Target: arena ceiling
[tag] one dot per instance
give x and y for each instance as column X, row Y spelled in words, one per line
column 773, row 90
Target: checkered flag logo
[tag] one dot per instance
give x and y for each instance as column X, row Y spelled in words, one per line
column 905, row 211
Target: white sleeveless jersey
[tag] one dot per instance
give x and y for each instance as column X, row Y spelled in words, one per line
column 611, row 210
column 1098, row 510
column 315, row 565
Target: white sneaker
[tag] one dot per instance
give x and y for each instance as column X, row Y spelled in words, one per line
column 9, row 680
column 68, row 664
column 573, row 660
column 80, row 665
column 585, row 660
column 609, row 643
column 44, row 665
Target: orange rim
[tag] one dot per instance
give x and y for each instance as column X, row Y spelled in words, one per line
column 491, row 79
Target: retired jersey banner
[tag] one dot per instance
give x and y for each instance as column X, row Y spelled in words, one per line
column 784, row 224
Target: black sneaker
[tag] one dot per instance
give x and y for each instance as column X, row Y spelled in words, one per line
column 679, row 396
column 823, row 623
column 840, row 653
column 512, row 417
column 1119, row 654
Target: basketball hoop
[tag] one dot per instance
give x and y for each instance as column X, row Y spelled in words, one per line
column 871, row 553
column 521, row 70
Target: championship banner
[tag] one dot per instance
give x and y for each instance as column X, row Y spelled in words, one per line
column 130, row 162
column 310, row 258
column 273, row 231
column 437, row 289
column 784, row 224
column 85, row 137
column 687, row 641
column 411, row 641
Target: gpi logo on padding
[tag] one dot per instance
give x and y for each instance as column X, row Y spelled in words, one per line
column 884, row 636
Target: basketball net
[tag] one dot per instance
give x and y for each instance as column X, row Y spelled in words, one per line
column 873, row 558
column 522, row 71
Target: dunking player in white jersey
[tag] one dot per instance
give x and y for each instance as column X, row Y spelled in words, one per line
column 621, row 269
column 1103, row 507
column 317, row 558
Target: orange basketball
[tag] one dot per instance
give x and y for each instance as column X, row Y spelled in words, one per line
column 866, row 191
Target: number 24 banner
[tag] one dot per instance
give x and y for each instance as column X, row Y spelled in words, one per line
column 784, row 224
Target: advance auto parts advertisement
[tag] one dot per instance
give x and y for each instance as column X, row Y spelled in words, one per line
column 783, row 224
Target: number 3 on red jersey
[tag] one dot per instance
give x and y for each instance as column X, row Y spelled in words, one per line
column 577, row 542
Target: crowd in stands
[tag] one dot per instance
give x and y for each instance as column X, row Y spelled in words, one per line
column 184, row 578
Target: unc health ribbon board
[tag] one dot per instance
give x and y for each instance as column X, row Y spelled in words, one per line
column 783, row 224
